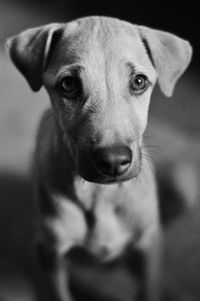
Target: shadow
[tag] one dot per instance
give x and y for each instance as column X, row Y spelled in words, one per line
column 171, row 202
column 17, row 217
column 17, row 227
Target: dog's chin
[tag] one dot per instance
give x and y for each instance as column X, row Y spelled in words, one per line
column 109, row 180
column 96, row 177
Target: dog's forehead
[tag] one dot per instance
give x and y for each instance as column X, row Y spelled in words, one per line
column 89, row 39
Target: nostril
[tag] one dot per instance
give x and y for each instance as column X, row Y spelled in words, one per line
column 113, row 161
column 124, row 160
column 105, row 165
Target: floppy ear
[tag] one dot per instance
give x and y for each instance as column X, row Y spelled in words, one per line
column 170, row 56
column 29, row 52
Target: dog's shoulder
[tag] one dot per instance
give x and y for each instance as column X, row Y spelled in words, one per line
column 46, row 135
column 52, row 164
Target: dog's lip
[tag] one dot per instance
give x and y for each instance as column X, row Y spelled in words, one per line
column 121, row 178
column 113, row 180
column 88, row 171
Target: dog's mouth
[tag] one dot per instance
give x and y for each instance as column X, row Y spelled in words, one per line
column 102, row 168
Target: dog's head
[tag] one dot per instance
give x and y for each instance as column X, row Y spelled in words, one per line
column 99, row 73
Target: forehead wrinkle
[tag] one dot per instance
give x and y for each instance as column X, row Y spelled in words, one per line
column 101, row 54
column 135, row 68
column 101, row 47
column 97, row 36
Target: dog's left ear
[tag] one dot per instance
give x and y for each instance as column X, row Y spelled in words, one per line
column 29, row 52
column 170, row 55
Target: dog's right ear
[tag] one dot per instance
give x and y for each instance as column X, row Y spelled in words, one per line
column 169, row 54
column 30, row 49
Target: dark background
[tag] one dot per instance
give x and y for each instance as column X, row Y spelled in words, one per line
column 179, row 17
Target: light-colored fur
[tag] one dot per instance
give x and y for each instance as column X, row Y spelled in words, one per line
column 105, row 51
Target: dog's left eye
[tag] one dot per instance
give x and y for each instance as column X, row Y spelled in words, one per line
column 70, row 86
column 138, row 83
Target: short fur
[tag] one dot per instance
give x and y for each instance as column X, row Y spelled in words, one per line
column 78, row 206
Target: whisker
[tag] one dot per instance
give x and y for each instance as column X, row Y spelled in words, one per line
column 145, row 166
column 150, row 145
column 150, row 137
column 154, row 147
column 150, row 159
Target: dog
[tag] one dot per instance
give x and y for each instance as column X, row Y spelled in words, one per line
column 94, row 184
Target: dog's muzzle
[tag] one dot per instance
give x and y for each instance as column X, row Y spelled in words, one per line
column 106, row 165
column 113, row 161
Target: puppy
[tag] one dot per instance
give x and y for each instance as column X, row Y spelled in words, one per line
column 99, row 73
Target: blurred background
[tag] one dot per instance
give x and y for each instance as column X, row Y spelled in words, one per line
column 173, row 138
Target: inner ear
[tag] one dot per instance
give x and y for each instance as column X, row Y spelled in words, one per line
column 56, row 37
column 148, row 51
column 31, row 49
column 169, row 54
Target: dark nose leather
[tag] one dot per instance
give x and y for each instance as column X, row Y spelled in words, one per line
column 113, row 161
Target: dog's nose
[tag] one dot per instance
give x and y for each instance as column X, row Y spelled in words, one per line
column 113, row 161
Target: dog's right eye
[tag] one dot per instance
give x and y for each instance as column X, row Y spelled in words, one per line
column 138, row 83
column 70, row 86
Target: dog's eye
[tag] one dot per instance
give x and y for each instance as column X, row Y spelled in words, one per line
column 138, row 83
column 70, row 86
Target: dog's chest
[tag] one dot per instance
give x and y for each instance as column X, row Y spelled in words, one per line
column 117, row 219
column 111, row 227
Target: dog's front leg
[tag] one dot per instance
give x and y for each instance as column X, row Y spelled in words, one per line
column 63, row 227
column 150, row 246
column 54, row 269
column 61, row 280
